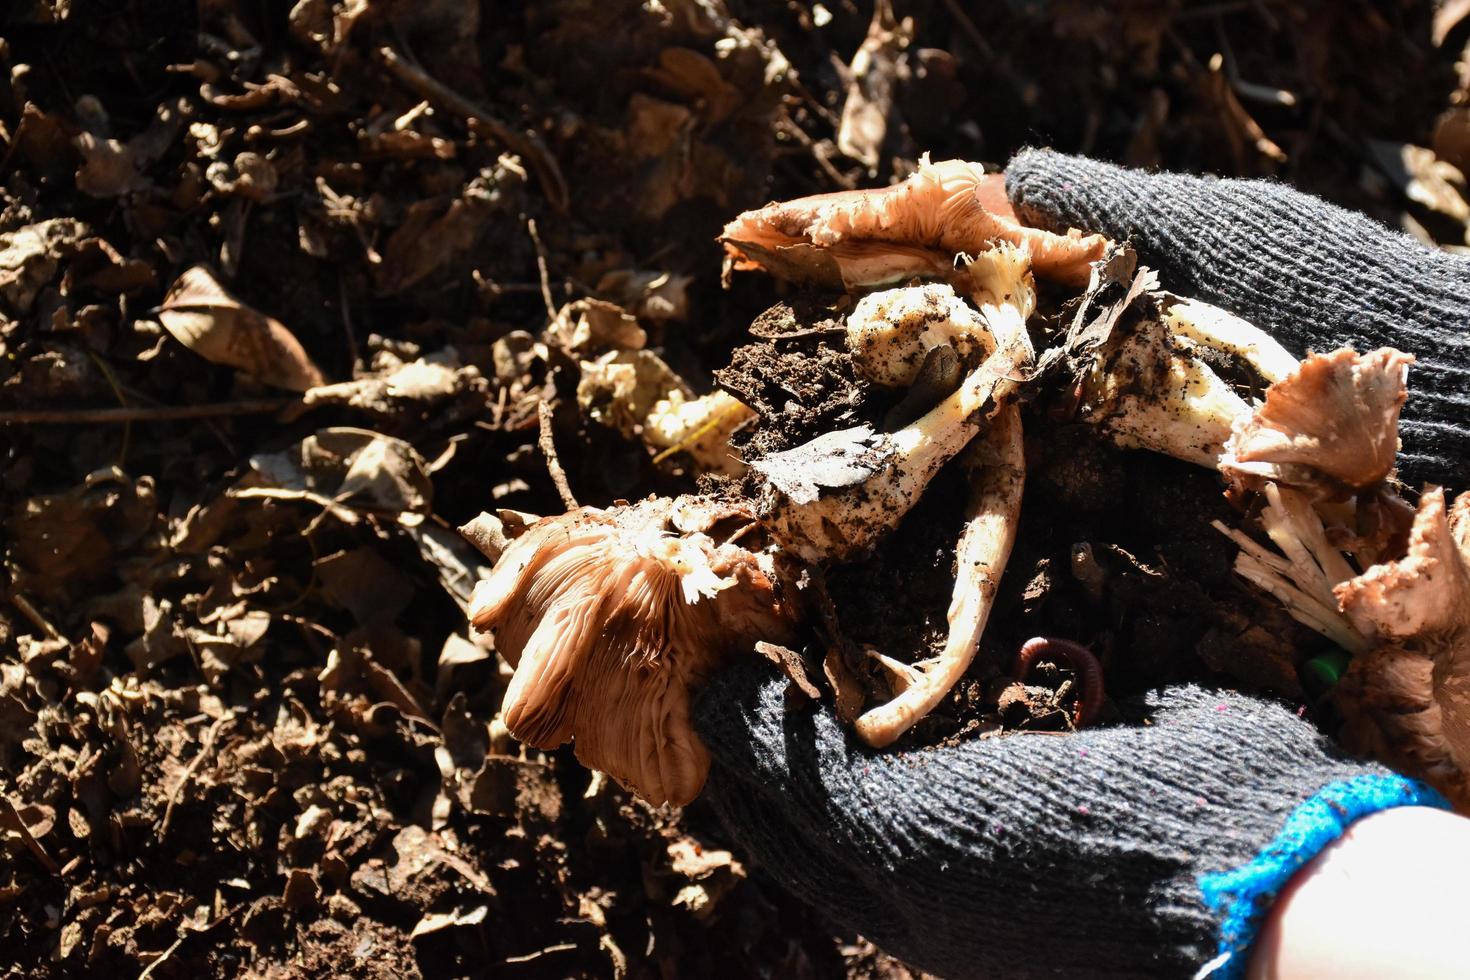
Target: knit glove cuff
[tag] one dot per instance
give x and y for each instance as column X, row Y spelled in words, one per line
column 1147, row 849
column 1312, row 274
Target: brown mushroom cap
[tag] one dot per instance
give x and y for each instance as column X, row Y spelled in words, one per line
column 611, row 618
column 1337, row 415
column 887, row 234
column 1407, row 701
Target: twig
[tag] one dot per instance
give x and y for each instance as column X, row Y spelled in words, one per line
column 957, row 11
column 541, row 269
column 529, row 957
column 204, row 750
column 481, row 122
column 34, row 615
column 553, row 464
column 10, row 817
column 143, row 413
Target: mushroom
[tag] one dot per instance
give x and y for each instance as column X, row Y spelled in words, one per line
column 612, row 617
column 996, row 465
column 1407, row 700
column 864, row 238
column 638, row 394
column 890, row 333
column 833, row 497
column 1139, row 358
column 1335, row 417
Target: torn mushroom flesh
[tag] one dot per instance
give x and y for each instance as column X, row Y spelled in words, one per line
column 1335, row 417
column 1407, row 700
column 612, row 618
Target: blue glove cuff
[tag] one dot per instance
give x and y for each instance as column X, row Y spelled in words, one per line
column 1242, row 896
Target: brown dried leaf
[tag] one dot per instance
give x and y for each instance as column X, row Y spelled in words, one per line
column 30, row 257
column 204, row 317
column 870, row 87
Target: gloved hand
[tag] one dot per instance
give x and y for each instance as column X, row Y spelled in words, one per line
column 1154, row 847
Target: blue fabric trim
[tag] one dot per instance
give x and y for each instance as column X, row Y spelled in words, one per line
column 1243, row 895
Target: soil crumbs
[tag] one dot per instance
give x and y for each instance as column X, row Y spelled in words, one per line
column 243, row 729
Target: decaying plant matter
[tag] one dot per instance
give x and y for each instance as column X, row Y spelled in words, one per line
column 611, row 618
column 638, row 394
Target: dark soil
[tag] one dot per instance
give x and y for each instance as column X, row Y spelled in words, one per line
column 244, row 730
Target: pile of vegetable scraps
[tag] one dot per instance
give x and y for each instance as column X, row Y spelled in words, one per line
column 970, row 479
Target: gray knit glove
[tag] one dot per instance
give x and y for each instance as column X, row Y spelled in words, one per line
column 1313, row 275
column 1145, row 849
column 1156, row 846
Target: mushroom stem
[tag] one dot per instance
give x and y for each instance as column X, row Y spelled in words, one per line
column 1152, row 392
column 997, row 466
column 1213, row 327
column 833, row 497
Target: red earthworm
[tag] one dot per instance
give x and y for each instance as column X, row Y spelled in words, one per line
column 1082, row 661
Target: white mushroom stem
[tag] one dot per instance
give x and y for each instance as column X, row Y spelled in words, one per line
column 1153, row 393
column 833, row 497
column 997, row 465
column 1302, row 577
column 1211, row 326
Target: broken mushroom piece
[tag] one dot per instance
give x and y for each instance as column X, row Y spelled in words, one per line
column 833, row 497
column 612, row 617
column 997, row 467
column 1148, row 389
column 864, row 238
column 1303, row 577
column 639, row 395
column 1336, row 416
column 1140, row 362
column 1407, row 701
column 890, row 333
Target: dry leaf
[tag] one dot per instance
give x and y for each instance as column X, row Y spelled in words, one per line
column 204, row 317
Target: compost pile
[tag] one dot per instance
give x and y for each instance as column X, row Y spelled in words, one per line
column 290, row 293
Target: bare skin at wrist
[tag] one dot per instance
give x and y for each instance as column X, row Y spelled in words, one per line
column 1388, row 898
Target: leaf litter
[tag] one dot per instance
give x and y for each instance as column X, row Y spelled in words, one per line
column 273, row 326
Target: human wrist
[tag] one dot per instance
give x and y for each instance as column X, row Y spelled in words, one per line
column 1383, row 899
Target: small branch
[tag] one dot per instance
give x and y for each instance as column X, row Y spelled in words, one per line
column 541, row 269
column 481, row 122
column 143, row 413
column 204, row 750
column 553, row 464
column 34, row 615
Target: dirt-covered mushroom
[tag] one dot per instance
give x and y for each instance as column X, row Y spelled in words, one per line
column 1336, row 416
column 1407, row 700
column 1140, row 363
column 612, row 617
column 996, row 467
column 890, row 333
column 877, row 237
column 833, row 497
